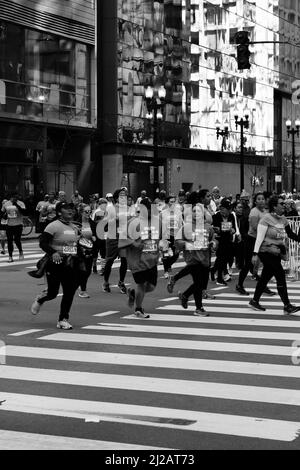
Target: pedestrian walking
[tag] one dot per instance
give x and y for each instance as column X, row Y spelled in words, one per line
column 270, row 249
column 59, row 241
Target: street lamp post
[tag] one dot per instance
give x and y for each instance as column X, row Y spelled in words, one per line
column 293, row 132
column 224, row 133
column 244, row 124
column 155, row 101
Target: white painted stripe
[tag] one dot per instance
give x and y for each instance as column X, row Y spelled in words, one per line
column 152, row 384
column 172, row 344
column 219, row 288
column 286, row 323
column 242, row 297
column 26, row 332
column 150, row 416
column 246, row 310
column 274, row 370
column 209, row 332
column 31, row 267
column 19, row 263
column 106, row 314
column 290, row 291
column 169, row 299
column 12, row 440
column 266, row 303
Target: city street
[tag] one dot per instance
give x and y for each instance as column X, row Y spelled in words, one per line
column 174, row 381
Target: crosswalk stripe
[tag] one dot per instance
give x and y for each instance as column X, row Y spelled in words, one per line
column 153, row 384
column 14, row 440
column 280, row 430
column 264, row 302
column 288, row 323
column 106, row 314
column 214, row 332
column 24, row 333
column 173, row 344
column 20, row 263
column 245, row 310
column 290, row 291
column 233, row 295
column 154, row 361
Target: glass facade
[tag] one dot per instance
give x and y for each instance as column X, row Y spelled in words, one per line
column 43, row 76
column 188, row 46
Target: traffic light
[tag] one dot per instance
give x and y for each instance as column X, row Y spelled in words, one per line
column 243, row 53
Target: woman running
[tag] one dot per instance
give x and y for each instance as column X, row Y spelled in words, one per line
column 59, row 241
column 270, row 249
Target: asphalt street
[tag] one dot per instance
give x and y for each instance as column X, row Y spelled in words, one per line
column 175, row 381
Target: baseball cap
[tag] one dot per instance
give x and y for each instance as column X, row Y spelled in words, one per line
column 225, row 203
column 64, row 205
column 108, row 195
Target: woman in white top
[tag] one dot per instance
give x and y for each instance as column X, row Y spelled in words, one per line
column 13, row 211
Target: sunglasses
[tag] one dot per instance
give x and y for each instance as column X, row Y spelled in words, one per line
column 281, row 203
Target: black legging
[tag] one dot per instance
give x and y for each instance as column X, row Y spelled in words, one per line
column 200, row 276
column 248, row 266
column 169, row 261
column 188, row 270
column 122, row 270
column 223, row 257
column 272, row 267
column 84, row 275
column 68, row 278
column 13, row 234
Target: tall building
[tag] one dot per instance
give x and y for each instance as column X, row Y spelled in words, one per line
column 188, row 46
column 47, row 95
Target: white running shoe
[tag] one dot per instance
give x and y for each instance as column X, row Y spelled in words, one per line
column 140, row 313
column 35, row 308
column 64, row 325
column 83, row 295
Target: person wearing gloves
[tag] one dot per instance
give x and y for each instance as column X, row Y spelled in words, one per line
column 270, row 249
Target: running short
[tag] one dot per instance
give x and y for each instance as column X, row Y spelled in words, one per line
column 146, row 276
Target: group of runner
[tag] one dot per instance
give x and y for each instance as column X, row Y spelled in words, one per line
column 200, row 225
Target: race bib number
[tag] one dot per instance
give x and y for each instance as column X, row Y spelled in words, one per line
column 200, row 241
column 150, row 246
column 280, row 235
column 226, row 226
column 70, row 250
column 12, row 214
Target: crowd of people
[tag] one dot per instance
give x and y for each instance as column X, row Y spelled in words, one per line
column 203, row 226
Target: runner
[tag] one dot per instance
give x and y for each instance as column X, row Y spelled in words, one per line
column 225, row 228
column 270, row 249
column 195, row 238
column 256, row 214
column 86, row 252
column 171, row 223
column 99, row 215
column 142, row 253
column 115, row 212
column 59, row 241
column 13, row 211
